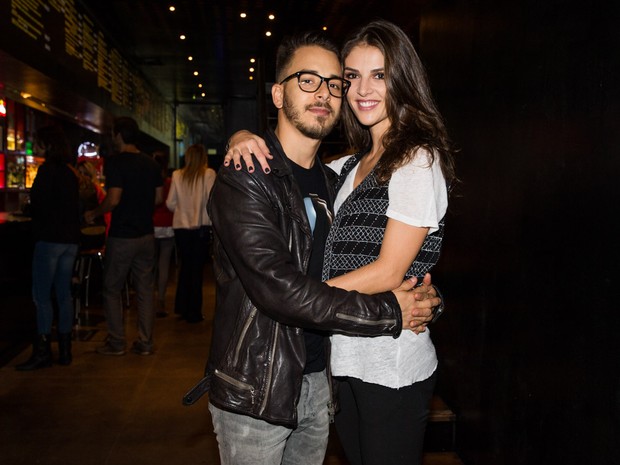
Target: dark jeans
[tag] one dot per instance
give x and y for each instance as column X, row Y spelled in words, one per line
column 193, row 250
column 122, row 256
column 378, row 425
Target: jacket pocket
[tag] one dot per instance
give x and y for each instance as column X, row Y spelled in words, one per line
column 239, row 385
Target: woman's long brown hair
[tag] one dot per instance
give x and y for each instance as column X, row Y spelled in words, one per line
column 415, row 120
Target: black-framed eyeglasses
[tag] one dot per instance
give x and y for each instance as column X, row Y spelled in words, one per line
column 311, row 82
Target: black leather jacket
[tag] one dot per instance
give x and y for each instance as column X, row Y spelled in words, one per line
column 264, row 298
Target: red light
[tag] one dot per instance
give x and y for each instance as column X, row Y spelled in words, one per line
column 2, row 108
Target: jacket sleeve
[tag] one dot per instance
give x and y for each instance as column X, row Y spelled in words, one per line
column 245, row 219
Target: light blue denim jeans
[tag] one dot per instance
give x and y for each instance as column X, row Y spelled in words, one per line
column 244, row 440
column 52, row 267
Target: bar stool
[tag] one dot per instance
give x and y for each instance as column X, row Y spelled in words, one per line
column 83, row 270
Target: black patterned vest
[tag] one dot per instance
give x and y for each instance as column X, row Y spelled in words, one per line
column 357, row 231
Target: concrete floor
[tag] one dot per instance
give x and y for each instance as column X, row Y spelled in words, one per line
column 111, row 410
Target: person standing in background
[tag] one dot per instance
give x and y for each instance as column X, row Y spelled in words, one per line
column 188, row 197
column 56, row 226
column 134, row 187
column 164, row 237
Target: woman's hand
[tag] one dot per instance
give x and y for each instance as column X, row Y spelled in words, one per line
column 243, row 144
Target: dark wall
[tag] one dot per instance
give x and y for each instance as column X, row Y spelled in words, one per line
column 530, row 345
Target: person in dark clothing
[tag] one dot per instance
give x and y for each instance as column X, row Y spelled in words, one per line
column 134, row 187
column 56, row 227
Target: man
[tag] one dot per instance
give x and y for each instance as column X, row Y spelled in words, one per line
column 266, row 376
column 134, row 187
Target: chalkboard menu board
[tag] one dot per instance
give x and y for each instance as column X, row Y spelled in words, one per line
column 60, row 39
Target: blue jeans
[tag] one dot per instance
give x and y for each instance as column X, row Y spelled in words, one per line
column 244, row 440
column 123, row 255
column 52, row 267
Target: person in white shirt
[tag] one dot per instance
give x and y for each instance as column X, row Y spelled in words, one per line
column 388, row 224
column 188, row 197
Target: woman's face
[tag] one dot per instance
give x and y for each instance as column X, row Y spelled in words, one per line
column 364, row 66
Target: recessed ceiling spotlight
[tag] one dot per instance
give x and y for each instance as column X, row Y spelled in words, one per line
column 268, row 33
column 271, row 17
column 325, row 28
column 200, row 86
column 203, row 94
column 190, row 58
column 251, row 70
column 252, row 60
column 171, row 8
column 182, row 37
column 243, row 15
column 195, row 73
column 251, row 78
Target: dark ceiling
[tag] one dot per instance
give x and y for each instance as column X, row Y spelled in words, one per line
column 222, row 43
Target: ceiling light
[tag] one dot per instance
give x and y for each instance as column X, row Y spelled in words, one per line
column 243, row 15
column 171, row 8
column 251, row 78
column 25, row 95
column 251, row 70
column 200, row 86
column 203, row 94
column 182, row 37
column 195, row 73
column 272, row 17
column 252, row 60
column 268, row 33
column 190, row 58
column 325, row 28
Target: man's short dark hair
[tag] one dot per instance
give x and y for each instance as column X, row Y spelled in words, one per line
column 290, row 44
column 128, row 129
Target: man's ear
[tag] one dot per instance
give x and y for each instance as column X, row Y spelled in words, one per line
column 277, row 95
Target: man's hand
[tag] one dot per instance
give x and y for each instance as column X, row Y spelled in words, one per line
column 243, row 144
column 417, row 303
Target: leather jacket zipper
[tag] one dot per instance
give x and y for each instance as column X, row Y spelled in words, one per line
column 235, row 382
column 364, row 321
column 270, row 370
column 244, row 330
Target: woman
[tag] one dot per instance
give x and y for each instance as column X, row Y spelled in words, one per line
column 56, row 227
column 390, row 207
column 189, row 193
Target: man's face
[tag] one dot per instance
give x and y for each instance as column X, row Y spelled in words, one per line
column 314, row 114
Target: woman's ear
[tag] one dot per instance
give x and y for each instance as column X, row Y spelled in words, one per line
column 277, row 95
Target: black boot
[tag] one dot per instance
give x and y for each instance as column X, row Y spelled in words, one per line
column 41, row 354
column 64, row 349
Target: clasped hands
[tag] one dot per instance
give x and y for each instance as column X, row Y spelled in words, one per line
column 417, row 303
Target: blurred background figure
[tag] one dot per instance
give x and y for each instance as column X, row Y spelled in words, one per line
column 164, row 237
column 92, row 236
column 188, row 197
column 56, row 227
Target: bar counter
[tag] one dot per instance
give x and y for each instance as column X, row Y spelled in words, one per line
column 17, row 314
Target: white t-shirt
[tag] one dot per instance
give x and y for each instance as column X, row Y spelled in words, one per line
column 418, row 197
column 190, row 205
